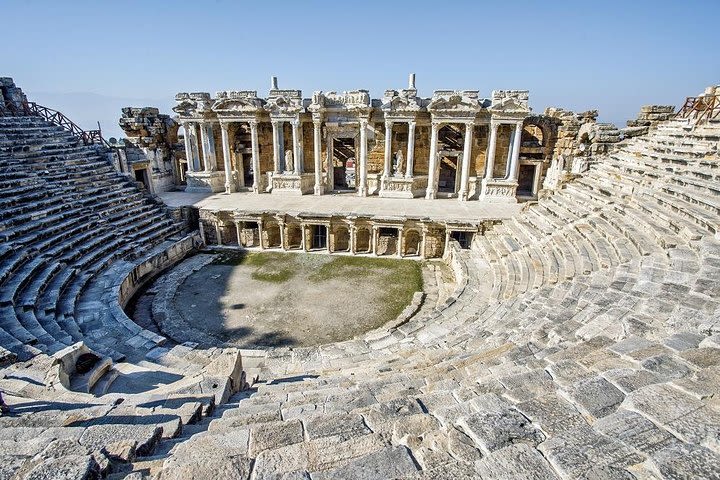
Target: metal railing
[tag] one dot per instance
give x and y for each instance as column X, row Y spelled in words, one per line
column 705, row 107
column 55, row 117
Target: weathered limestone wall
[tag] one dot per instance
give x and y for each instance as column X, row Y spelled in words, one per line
column 648, row 118
column 152, row 138
column 265, row 143
column 308, row 147
column 12, row 94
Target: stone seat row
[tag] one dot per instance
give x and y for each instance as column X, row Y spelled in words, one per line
column 70, row 218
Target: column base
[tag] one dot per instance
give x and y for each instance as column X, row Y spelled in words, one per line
column 205, row 182
column 403, row 187
column 498, row 191
column 319, row 189
column 292, row 184
column 430, row 195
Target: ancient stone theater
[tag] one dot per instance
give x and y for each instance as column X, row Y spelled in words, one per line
column 269, row 286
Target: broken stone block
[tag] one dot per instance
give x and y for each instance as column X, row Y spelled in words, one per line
column 519, row 461
column 595, row 397
column 273, row 435
column 493, row 431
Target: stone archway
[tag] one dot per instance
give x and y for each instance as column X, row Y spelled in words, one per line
column 272, row 233
column 362, row 240
column 412, row 243
column 294, row 237
column 341, row 240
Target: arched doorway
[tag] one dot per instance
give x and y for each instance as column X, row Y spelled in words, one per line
column 341, row 240
column 273, row 236
column 294, row 237
column 412, row 243
column 362, row 240
column 318, row 237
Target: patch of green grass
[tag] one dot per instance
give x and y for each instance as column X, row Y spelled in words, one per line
column 351, row 267
column 400, row 279
column 272, row 267
column 277, row 276
column 400, row 286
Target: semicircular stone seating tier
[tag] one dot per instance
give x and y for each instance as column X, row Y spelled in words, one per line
column 581, row 342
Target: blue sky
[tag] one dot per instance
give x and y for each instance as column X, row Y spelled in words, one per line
column 89, row 59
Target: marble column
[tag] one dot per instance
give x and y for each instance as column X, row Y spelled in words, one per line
column 388, row 149
column 400, row 242
column 410, row 150
column 490, row 157
column 195, row 146
column 422, row 243
column 303, row 235
column 296, row 152
column 515, row 159
column 255, row 155
column 277, row 148
column 201, row 227
column 229, row 184
column 327, row 238
column 208, row 141
column 218, row 233
column 237, row 232
column 373, row 240
column 447, row 241
column 353, row 234
column 363, row 188
column 317, row 149
column 466, row 161
column 260, row 235
column 281, row 225
column 188, row 147
column 432, row 173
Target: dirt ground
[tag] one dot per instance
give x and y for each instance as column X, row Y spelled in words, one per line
column 295, row 299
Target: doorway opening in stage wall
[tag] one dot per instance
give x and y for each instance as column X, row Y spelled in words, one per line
column 526, row 180
column 344, row 164
column 448, row 178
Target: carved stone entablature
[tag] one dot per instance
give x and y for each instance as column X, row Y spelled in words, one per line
column 510, row 103
column 402, row 104
column 285, row 103
column 238, row 104
column 355, row 102
column 193, row 105
column 454, row 104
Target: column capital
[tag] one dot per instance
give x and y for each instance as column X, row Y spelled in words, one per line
column 275, row 122
column 317, row 122
column 389, row 123
column 412, row 123
column 253, row 123
column 363, row 122
column 435, row 124
column 295, row 122
column 224, row 125
column 470, row 124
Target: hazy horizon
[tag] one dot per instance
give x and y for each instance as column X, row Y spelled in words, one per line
column 91, row 59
